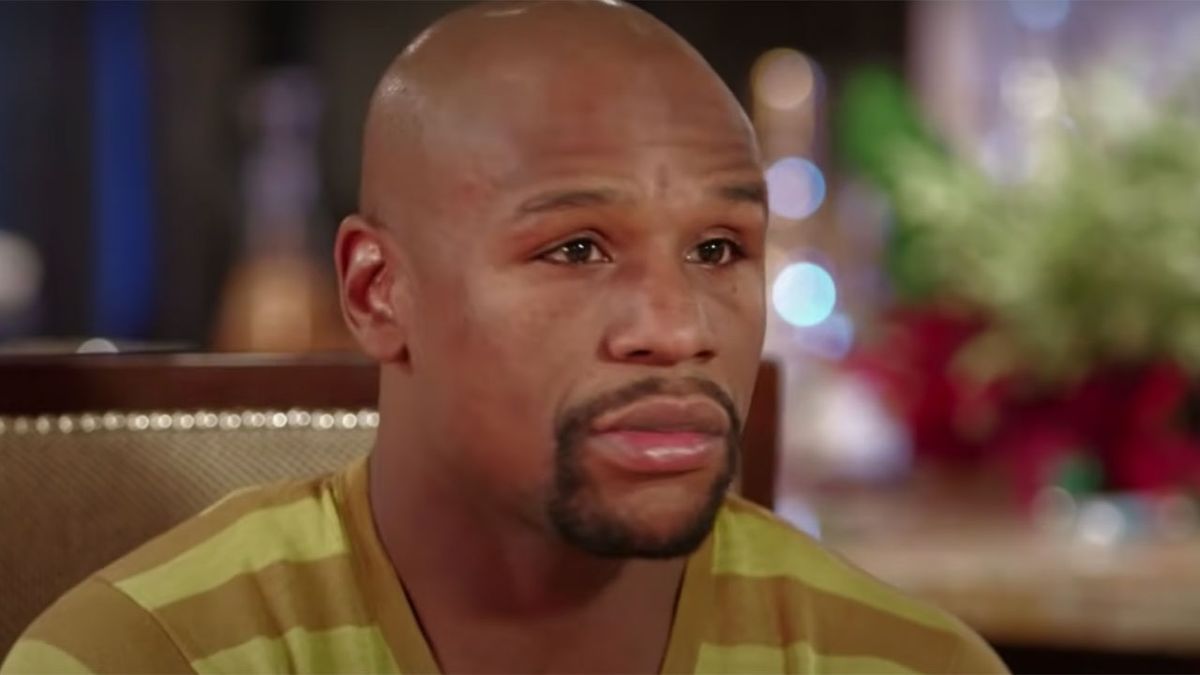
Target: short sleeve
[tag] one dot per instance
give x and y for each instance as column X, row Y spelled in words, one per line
column 95, row 628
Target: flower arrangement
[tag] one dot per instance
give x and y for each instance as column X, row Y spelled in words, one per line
column 1053, row 311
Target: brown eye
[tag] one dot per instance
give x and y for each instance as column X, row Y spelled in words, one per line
column 715, row 252
column 576, row 252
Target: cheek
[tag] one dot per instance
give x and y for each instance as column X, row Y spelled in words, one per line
column 499, row 357
column 739, row 300
column 526, row 346
column 520, row 329
column 740, row 324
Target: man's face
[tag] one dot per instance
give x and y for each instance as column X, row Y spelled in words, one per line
column 589, row 315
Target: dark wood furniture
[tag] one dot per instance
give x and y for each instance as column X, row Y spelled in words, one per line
column 51, row 385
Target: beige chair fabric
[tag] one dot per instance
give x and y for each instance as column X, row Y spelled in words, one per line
column 78, row 492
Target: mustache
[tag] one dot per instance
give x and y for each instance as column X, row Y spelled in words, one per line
column 574, row 423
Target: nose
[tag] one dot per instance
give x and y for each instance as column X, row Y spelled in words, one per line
column 660, row 320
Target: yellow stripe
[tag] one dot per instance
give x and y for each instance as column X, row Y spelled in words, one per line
column 298, row 532
column 341, row 650
column 29, row 657
column 752, row 544
column 199, row 529
column 798, row 657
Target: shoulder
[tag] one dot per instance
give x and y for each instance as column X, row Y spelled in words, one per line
column 248, row 528
column 257, row 550
column 753, row 543
column 811, row 596
column 94, row 628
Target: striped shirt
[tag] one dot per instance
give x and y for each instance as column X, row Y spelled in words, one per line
column 292, row 578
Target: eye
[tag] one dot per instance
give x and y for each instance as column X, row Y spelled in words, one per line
column 716, row 252
column 576, row 252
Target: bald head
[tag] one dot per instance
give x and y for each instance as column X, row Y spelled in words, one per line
column 487, row 86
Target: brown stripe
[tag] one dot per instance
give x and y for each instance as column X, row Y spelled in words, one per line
column 779, row 611
column 200, row 528
column 975, row 655
column 692, row 610
column 315, row 595
column 109, row 633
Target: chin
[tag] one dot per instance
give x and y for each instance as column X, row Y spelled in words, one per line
column 661, row 509
column 664, row 518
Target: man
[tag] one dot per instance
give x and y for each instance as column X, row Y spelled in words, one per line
column 558, row 261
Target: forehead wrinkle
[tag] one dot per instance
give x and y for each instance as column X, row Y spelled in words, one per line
column 558, row 200
column 662, row 180
column 751, row 192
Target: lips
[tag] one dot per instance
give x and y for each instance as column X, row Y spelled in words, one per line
column 695, row 414
column 661, row 435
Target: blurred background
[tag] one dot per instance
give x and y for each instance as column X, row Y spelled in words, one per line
column 984, row 261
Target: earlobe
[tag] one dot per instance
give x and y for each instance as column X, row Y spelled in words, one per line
column 369, row 281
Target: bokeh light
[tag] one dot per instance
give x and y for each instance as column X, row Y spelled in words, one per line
column 1040, row 15
column 795, row 188
column 1031, row 89
column 853, row 433
column 20, row 274
column 97, row 345
column 1101, row 523
column 783, row 79
column 804, row 294
column 830, row 339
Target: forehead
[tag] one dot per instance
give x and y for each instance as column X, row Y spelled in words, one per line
column 663, row 120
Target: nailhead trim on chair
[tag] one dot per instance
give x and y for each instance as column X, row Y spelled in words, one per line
column 199, row 420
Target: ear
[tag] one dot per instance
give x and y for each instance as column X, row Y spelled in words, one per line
column 372, row 288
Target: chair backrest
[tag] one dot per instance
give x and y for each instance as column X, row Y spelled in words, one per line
column 170, row 435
